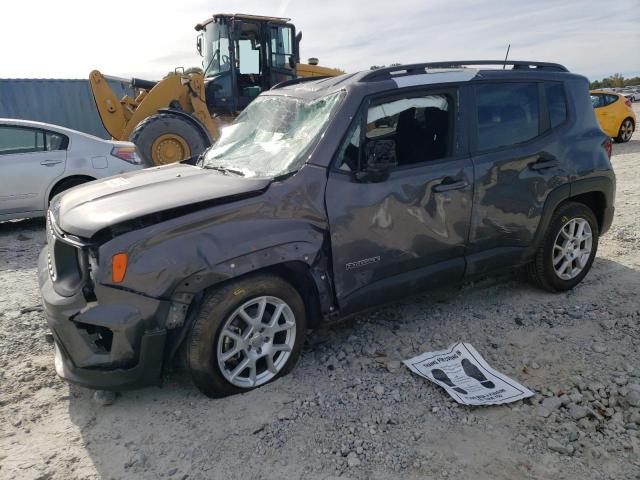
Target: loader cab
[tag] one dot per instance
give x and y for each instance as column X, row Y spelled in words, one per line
column 244, row 55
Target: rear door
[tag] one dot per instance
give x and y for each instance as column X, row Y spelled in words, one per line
column 30, row 161
column 397, row 236
column 517, row 161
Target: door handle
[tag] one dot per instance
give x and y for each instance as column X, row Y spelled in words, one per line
column 448, row 185
column 50, row 163
column 544, row 163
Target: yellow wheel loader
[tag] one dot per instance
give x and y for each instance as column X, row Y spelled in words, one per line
column 181, row 115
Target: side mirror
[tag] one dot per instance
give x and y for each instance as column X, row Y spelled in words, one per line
column 292, row 62
column 199, row 44
column 380, row 156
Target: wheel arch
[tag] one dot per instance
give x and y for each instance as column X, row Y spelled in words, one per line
column 633, row 122
column 59, row 181
column 597, row 193
column 310, row 280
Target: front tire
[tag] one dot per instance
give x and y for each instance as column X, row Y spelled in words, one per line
column 626, row 131
column 166, row 138
column 568, row 249
column 246, row 334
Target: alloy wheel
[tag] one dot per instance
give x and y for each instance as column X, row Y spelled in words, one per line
column 256, row 341
column 626, row 130
column 572, row 248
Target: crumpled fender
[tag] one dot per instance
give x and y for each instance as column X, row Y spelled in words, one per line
column 182, row 256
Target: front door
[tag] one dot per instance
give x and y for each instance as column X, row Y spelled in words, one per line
column 28, row 167
column 393, row 237
column 518, row 159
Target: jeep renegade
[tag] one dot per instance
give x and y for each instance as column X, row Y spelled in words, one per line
column 325, row 197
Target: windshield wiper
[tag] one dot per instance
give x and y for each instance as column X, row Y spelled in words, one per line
column 224, row 170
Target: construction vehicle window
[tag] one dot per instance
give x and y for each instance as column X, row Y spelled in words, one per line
column 508, row 114
column 281, row 46
column 420, row 126
column 20, row 140
column 248, row 50
column 216, row 49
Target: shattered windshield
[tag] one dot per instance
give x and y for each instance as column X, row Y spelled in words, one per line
column 269, row 137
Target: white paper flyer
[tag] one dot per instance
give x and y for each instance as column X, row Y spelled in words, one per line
column 467, row 377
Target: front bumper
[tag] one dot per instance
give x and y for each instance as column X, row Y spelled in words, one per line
column 114, row 343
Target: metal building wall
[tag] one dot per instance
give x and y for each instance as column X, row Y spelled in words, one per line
column 68, row 103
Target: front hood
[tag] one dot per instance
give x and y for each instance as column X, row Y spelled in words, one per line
column 88, row 208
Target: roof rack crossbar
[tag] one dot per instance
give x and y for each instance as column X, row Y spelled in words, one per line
column 420, row 68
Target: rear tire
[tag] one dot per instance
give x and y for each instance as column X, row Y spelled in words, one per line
column 166, row 138
column 626, row 131
column 229, row 330
column 558, row 249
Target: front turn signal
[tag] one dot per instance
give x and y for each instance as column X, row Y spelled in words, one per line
column 118, row 267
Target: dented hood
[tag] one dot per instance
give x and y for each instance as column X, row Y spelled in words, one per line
column 88, row 208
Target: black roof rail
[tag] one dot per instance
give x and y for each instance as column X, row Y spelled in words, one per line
column 420, row 68
column 295, row 81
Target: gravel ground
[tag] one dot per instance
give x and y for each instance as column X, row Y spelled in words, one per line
column 349, row 409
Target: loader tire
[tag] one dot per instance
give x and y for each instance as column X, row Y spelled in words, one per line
column 166, row 138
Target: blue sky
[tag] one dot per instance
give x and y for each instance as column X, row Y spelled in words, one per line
column 67, row 39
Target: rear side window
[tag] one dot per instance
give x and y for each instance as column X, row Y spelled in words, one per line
column 56, row 141
column 609, row 99
column 508, row 114
column 556, row 103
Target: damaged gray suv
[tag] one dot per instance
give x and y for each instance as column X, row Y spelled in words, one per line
column 324, row 198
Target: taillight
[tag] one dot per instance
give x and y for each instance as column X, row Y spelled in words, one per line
column 627, row 102
column 608, row 146
column 128, row 154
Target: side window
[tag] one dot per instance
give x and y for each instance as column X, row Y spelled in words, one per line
column 609, row 99
column 421, row 127
column 597, row 100
column 56, row 141
column 20, row 140
column 508, row 114
column 349, row 153
column 556, row 103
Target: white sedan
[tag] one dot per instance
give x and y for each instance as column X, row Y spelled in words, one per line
column 39, row 160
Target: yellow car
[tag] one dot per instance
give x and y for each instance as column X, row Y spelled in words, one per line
column 614, row 113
